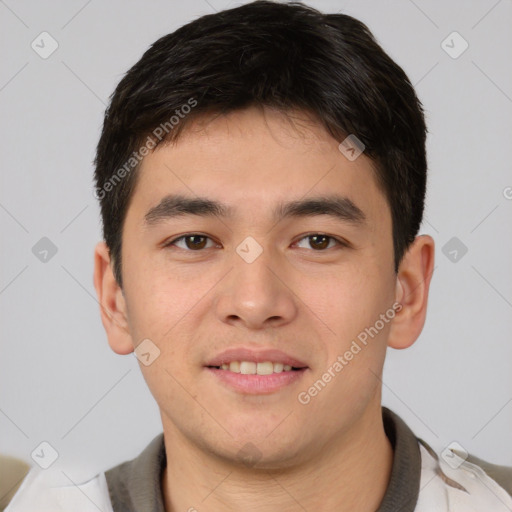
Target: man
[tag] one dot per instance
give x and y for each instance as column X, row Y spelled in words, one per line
column 261, row 174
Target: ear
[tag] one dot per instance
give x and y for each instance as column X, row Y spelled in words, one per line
column 412, row 286
column 112, row 302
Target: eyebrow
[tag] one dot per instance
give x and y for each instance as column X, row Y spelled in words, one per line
column 175, row 205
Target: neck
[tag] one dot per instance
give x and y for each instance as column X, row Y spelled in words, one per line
column 351, row 472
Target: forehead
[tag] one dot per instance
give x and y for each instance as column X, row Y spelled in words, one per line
column 255, row 161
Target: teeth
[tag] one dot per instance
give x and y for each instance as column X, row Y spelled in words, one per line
column 247, row 368
column 234, row 366
column 265, row 368
column 278, row 367
column 252, row 368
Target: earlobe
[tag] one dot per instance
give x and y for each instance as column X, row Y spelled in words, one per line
column 112, row 302
column 412, row 287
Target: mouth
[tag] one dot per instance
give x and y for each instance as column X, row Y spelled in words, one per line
column 253, row 368
column 256, row 372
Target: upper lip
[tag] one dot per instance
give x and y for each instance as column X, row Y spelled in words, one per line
column 256, row 356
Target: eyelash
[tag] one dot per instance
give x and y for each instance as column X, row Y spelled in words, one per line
column 339, row 242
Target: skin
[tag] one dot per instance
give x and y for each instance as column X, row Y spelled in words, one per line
column 332, row 453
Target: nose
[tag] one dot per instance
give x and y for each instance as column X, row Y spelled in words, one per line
column 257, row 293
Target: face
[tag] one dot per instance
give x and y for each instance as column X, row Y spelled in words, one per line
column 259, row 282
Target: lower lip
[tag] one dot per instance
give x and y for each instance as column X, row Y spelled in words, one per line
column 257, row 384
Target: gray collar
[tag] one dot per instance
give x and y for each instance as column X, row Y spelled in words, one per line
column 135, row 485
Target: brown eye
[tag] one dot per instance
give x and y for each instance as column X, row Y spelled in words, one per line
column 320, row 242
column 192, row 242
column 195, row 242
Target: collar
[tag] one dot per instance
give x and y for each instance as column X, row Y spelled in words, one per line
column 135, row 485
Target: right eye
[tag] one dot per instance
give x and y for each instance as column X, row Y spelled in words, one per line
column 193, row 242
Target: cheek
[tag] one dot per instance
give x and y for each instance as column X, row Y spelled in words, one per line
column 350, row 304
column 346, row 301
column 155, row 298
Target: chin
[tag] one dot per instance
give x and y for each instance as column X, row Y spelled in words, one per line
column 263, row 453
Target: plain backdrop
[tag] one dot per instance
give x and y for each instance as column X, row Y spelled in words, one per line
column 59, row 380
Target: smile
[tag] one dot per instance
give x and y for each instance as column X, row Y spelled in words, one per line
column 253, row 368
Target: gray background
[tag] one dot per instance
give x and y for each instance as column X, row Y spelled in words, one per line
column 59, row 380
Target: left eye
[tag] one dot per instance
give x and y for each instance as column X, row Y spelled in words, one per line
column 197, row 242
column 319, row 241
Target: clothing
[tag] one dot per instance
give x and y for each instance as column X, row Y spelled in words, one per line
column 12, row 473
column 420, row 482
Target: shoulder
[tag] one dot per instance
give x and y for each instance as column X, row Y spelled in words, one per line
column 502, row 475
column 451, row 481
column 12, row 473
column 125, row 484
column 463, row 482
column 47, row 492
